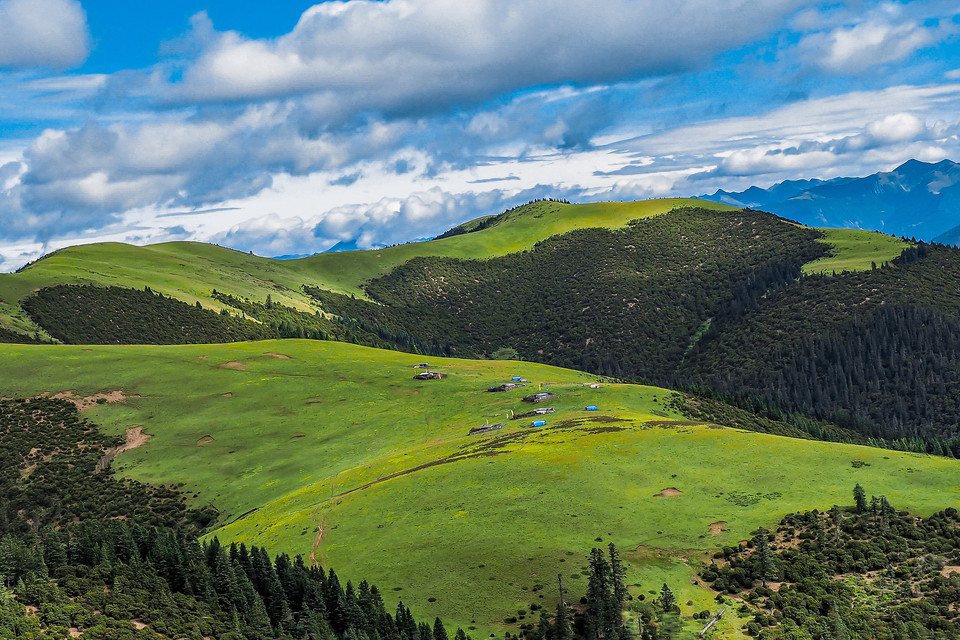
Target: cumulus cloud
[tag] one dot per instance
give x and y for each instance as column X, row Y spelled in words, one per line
column 403, row 56
column 42, row 33
column 883, row 36
column 69, row 181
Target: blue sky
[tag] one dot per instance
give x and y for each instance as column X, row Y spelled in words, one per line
column 287, row 127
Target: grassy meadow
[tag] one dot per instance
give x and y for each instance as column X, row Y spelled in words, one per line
column 855, row 250
column 290, row 437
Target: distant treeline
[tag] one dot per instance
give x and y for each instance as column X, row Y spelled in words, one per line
column 13, row 337
column 79, row 314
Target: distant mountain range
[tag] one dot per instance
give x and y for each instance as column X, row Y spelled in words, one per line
column 916, row 200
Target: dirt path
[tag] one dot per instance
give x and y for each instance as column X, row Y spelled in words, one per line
column 312, row 557
column 135, row 437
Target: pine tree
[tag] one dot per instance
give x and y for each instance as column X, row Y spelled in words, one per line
column 561, row 624
column 860, row 498
column 667, row 600
column 439, row 633
column 598, row 594
column 618, row 574
column 837, row 520
column 765, row 558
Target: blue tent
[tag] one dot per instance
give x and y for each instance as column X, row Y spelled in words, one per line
column 539, row 423
column 592, row 407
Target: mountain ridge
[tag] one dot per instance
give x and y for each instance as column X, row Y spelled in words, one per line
column 916, row 200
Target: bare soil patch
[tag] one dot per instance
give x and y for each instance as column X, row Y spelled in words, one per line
column 948, row 569
column 280, row 356
column 204, row 440
column 669, row 492
column 237, row 366
column 716, row 528
column 202, row 358
column 139, row 624
column 135, row 437
column 227, row 395
column 75, row 632
column 87, row 402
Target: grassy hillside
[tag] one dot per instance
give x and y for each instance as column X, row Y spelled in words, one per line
column 288, row 436
column 855, row 250
column 189, row 271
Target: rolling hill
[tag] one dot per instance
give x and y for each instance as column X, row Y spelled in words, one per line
column 334, row 451
column 656, row 299
column 189, row 271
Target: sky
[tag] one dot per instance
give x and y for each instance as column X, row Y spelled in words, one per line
column 287, row 128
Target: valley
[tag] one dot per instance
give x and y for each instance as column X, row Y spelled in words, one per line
column 284, row 437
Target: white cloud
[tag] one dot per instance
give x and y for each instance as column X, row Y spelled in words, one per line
column 878, row 40
column 415, row 56
column 42, row 33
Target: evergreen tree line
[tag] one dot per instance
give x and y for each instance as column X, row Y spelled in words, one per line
column 98, row 576
column 889, row 374
column 12, row 337
column 83, row 314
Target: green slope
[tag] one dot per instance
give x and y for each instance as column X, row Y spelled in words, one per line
column 191, row 270
column 474, row 522
column 855, row 250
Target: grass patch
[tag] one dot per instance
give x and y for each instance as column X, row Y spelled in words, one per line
column 855, row 250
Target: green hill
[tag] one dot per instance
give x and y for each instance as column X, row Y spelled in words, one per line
column 286, row 437
column 189, row 271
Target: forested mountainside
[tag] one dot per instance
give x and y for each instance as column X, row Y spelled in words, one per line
column 874, row 351
column 618, row 302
